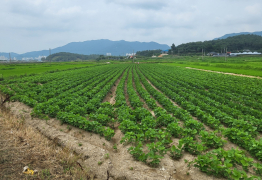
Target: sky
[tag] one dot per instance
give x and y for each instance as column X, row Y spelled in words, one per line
column 32, row 25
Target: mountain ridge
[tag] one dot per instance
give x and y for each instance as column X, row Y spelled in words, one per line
column 259, row 33
column 101, row 46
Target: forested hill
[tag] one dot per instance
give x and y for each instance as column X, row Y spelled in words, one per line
column 64, row 56
column 233, row 44
column 237, row 34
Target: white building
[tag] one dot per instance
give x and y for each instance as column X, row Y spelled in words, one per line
column 245, row 53
column 130, row 54
column 3, row 58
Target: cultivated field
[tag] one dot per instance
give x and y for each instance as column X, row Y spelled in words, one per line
column 148, row 121
column 25, row 69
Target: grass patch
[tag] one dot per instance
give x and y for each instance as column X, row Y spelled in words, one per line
column 237, row 69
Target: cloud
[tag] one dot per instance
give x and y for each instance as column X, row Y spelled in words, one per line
column 138, row 4
column 28, row 25
column 254, row 9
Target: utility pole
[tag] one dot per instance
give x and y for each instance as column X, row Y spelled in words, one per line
column 226, row 55
column 50, row 54
column 10, row 57
column 133, row 56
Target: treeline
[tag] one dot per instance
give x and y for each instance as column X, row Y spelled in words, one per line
column 233, row 44
column 149, row 53
column 64, row 56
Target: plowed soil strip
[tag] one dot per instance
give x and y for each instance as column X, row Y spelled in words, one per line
column 157, row 103
column 126, row 95
column 111, row 95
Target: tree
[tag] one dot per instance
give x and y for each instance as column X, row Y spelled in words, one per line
column 173, row 47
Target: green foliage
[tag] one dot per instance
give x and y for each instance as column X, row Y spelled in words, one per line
column 235, row 43
column 211, row 140
column 222, row 163
column 192, row 146
column 176, row 152
column 65, row 56
column 138, row 153
column 148, row 53
column 156, row 152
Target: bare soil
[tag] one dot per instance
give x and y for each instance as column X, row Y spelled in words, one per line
column 111, row 95
column 97, row 156
column 21, row 146
column 126, row 95
column 142, row 100
column 157, row 103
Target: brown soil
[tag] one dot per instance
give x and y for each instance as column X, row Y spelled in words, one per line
column 157, row 103
column 126, row 95
column 22, row 146
column 142, row 100
column 95, row 153
column 111, row 95
column 98, row 155
column 233, row 74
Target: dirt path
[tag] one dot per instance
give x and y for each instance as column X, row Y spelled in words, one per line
column 233, row 74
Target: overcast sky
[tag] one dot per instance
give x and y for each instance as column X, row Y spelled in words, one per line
column 29, row 25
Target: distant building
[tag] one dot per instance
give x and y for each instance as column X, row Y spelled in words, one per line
column 130, row 54
column 212, row 53
column 164, row 52
column 108, row 54
column 245, row 53
column 3, row 58
column 161, row 55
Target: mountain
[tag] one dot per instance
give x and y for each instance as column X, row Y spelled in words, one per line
column 259, row 33
column 102, row 47
column 233, row 44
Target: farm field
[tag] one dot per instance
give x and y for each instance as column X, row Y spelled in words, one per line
column 168, row 122
column 253, row 69
column 17, row 69
column 239, row 65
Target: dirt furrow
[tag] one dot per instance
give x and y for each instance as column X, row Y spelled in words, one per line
column 126, row 95
column 141, row 99
column 157, row 103
column 111, row 95
column 229, row 145
column 175, row 104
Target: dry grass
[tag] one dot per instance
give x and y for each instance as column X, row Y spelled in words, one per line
column 22, row 146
